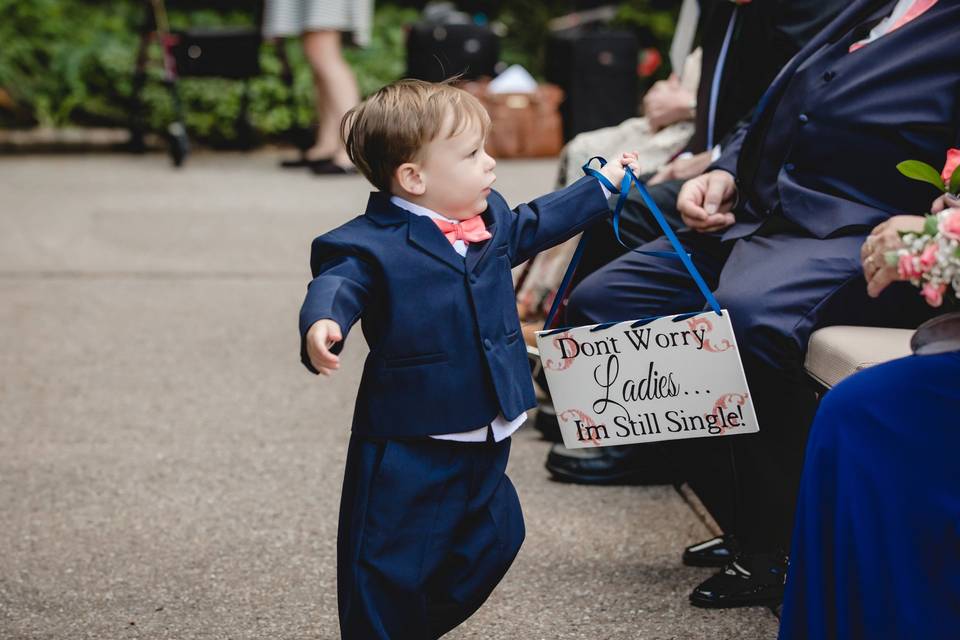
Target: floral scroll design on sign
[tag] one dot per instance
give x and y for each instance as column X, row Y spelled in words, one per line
column 703, row 322
column 587, row 425
column 725, row 403
column 562, row 363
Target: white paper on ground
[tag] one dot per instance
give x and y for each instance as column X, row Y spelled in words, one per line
column 660, row 380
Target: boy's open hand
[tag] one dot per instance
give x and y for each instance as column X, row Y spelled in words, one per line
column 614, row 170
column 322, row 335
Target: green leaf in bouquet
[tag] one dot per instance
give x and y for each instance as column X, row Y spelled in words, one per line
column 916, row 170
column 892, row 258
column 955, row 181
column 930, row 226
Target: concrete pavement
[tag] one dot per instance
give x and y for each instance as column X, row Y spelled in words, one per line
column 167, row 468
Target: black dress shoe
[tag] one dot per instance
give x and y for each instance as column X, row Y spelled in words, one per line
column 303, row 162
column 715, row 552
column 617, row 465
column 744, row 582
column 331, row 168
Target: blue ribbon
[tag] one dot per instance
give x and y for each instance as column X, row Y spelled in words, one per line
column 679, row 253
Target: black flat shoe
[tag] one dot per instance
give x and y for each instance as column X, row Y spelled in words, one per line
column 617, row 465
column 716, row 552
column 743, row 584
column 331, row 168
column 303, row 162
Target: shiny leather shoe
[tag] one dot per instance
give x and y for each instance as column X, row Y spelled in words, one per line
column 744, row 582
column 618, row 465
column 715, row 552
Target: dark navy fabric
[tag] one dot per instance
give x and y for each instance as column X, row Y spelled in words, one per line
column 427, row 530
column 834, row 125
column 778, row 288
column 446, row 354
column 811, row 189
column 876, row 549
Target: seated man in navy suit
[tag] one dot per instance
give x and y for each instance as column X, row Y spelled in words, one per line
column 429, row 521
column 776, row 228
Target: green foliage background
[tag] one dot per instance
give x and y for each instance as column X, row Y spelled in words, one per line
column 71, row 62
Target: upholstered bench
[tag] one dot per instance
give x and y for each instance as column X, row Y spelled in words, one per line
column 837, row 352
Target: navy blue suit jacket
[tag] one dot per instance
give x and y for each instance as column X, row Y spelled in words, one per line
column 824, row 144
column 446, row 354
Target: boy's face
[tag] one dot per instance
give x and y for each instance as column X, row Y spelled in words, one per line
column 456, row 173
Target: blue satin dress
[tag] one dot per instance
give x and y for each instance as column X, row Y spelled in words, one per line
column 876, row 545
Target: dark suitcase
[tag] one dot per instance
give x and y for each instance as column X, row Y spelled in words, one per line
column 436, row 52
column 221, row 52
column 597, row 69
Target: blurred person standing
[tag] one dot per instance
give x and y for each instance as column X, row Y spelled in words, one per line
column 323, row 25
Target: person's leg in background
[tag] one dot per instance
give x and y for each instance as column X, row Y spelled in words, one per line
column 337, row 92
column 637, row 227
column 778, row 289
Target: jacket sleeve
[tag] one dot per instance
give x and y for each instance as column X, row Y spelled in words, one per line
column 555, row 217
column 730, row 149
column 339, row 291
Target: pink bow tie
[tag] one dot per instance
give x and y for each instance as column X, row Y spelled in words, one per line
column 470, row 230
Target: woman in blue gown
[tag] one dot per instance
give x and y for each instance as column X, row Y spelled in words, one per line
column 876, row 544
column 876, row 548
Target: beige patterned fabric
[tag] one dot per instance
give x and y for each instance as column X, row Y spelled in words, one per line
column 655, row 149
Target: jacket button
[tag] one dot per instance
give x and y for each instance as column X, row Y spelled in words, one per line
column 829, row 75
column 487, row 344
column 803, row 118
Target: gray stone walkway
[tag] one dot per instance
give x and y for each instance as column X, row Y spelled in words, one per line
column 168, row 470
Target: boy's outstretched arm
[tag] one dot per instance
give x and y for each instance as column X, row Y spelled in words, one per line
column 555, row 217
column 335, row 299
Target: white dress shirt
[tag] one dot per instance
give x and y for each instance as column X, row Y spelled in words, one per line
column 501, row 427
column 884, row 25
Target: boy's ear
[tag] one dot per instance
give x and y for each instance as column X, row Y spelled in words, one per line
column 410, row 179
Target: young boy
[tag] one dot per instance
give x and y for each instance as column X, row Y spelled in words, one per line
column 429, row 522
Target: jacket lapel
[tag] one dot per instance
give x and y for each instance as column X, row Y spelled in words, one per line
column 476, row 250
column 421, row 231
column 426, row 236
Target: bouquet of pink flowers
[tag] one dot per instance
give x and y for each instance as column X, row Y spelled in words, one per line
column 930, row 258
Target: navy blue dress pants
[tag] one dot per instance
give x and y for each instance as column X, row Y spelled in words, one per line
column 778, row 286
column 427, row 530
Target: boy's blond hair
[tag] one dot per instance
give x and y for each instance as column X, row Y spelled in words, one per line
column 395, row 123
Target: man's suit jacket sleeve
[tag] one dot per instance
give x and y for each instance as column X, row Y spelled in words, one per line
column 730, row 150
column 339, row 291
column 555, row 217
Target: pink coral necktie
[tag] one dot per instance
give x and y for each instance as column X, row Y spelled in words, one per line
column 916, row 9
column 470, row 230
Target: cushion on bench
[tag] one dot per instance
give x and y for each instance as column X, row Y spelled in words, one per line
column 837, row 352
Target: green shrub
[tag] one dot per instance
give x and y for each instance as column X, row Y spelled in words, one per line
column 72, row 62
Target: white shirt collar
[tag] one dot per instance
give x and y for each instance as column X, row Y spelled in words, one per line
column 418, row 210
column 459, row 245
